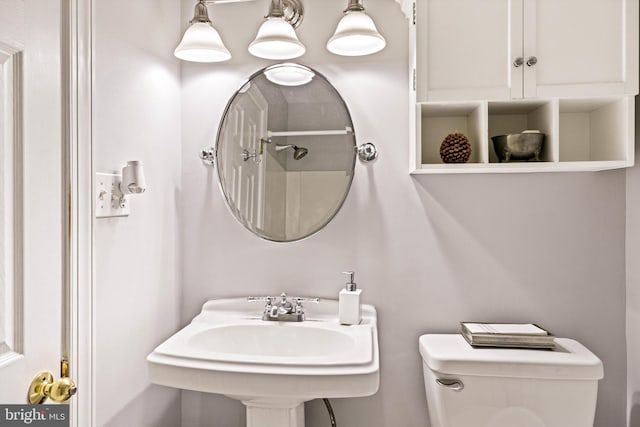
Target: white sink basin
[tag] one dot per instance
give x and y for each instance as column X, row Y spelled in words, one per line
column 282, row 343
column 228, row 349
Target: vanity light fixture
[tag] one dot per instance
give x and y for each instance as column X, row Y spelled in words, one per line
column 201, row 42
column 288, row 74
column 276, row 38
column 356, row 34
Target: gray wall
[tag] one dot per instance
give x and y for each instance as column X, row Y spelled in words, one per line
column 137, row 286
column 429, row 251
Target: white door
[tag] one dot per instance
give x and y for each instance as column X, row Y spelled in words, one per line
column 466, row 49
column 31, row 193
column 582, row 47
column 244, row 174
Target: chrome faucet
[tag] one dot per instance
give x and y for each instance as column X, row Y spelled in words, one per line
column 283, row 310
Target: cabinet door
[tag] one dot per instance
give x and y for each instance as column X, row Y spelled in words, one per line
column 583, row 47
column 466, row 48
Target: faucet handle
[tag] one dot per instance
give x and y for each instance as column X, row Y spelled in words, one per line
column 305, row 299
column 267, row 299
column 269, row 307
column 300, row 300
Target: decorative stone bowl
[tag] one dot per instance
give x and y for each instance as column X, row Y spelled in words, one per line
column 518, row 146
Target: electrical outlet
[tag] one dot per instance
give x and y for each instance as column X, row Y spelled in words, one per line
column 107, row 196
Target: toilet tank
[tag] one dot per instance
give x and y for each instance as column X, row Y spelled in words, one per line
column 499, row 387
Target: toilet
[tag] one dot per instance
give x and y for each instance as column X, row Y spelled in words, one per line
column 500, row 387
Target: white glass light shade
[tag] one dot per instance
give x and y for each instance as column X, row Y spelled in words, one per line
column 289, row 74
column 356, row 35
column 202, row 43
column 276, row 39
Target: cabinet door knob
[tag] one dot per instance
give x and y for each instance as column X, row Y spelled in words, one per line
column 518, row 62
column 532, row 61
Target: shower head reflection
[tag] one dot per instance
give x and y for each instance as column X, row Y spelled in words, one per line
column 298, row 152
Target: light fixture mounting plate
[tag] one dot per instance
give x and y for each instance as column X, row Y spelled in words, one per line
column 293, row 9
column 293, row 12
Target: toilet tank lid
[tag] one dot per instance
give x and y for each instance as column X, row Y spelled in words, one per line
column 451, row 354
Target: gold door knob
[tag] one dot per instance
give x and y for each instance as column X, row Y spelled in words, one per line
column 43, row 386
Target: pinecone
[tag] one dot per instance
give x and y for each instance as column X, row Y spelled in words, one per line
column 455, row 148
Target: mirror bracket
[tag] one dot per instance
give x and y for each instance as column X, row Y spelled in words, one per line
column 367, row 152
column 208, row 156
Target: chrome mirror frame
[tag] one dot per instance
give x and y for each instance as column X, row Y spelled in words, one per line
column 213, row 155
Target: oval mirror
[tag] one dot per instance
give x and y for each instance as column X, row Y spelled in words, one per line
column 285, row 153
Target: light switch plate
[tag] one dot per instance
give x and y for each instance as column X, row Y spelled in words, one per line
column 106, row 205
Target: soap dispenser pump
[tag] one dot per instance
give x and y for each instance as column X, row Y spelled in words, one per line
column 349, row 302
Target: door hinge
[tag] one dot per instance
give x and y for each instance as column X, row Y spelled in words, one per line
column 414, row 79
column 64, row 368
column 414, row 13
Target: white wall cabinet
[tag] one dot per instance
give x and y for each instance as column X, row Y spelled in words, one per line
column 583, row 47
column 464, row 48
column 568, row 68
column 502, row 49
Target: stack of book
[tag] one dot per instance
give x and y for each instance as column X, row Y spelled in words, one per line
column 513, row 335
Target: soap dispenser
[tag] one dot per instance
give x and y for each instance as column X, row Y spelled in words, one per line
column 349, row 302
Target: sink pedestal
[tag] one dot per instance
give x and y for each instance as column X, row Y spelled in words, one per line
column 281, row 414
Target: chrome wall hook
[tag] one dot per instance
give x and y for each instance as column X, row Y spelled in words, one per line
column 367, row 152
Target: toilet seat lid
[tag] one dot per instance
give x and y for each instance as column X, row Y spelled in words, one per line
column 451, row 354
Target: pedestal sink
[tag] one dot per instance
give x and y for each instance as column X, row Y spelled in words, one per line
column 272, row 367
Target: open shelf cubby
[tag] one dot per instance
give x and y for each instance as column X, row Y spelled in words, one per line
column 596, row 129
column 580, row 134
column 439, row 120
column 517, row 116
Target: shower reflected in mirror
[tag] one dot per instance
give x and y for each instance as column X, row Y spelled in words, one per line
column 298, row 152
column 285, row 153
